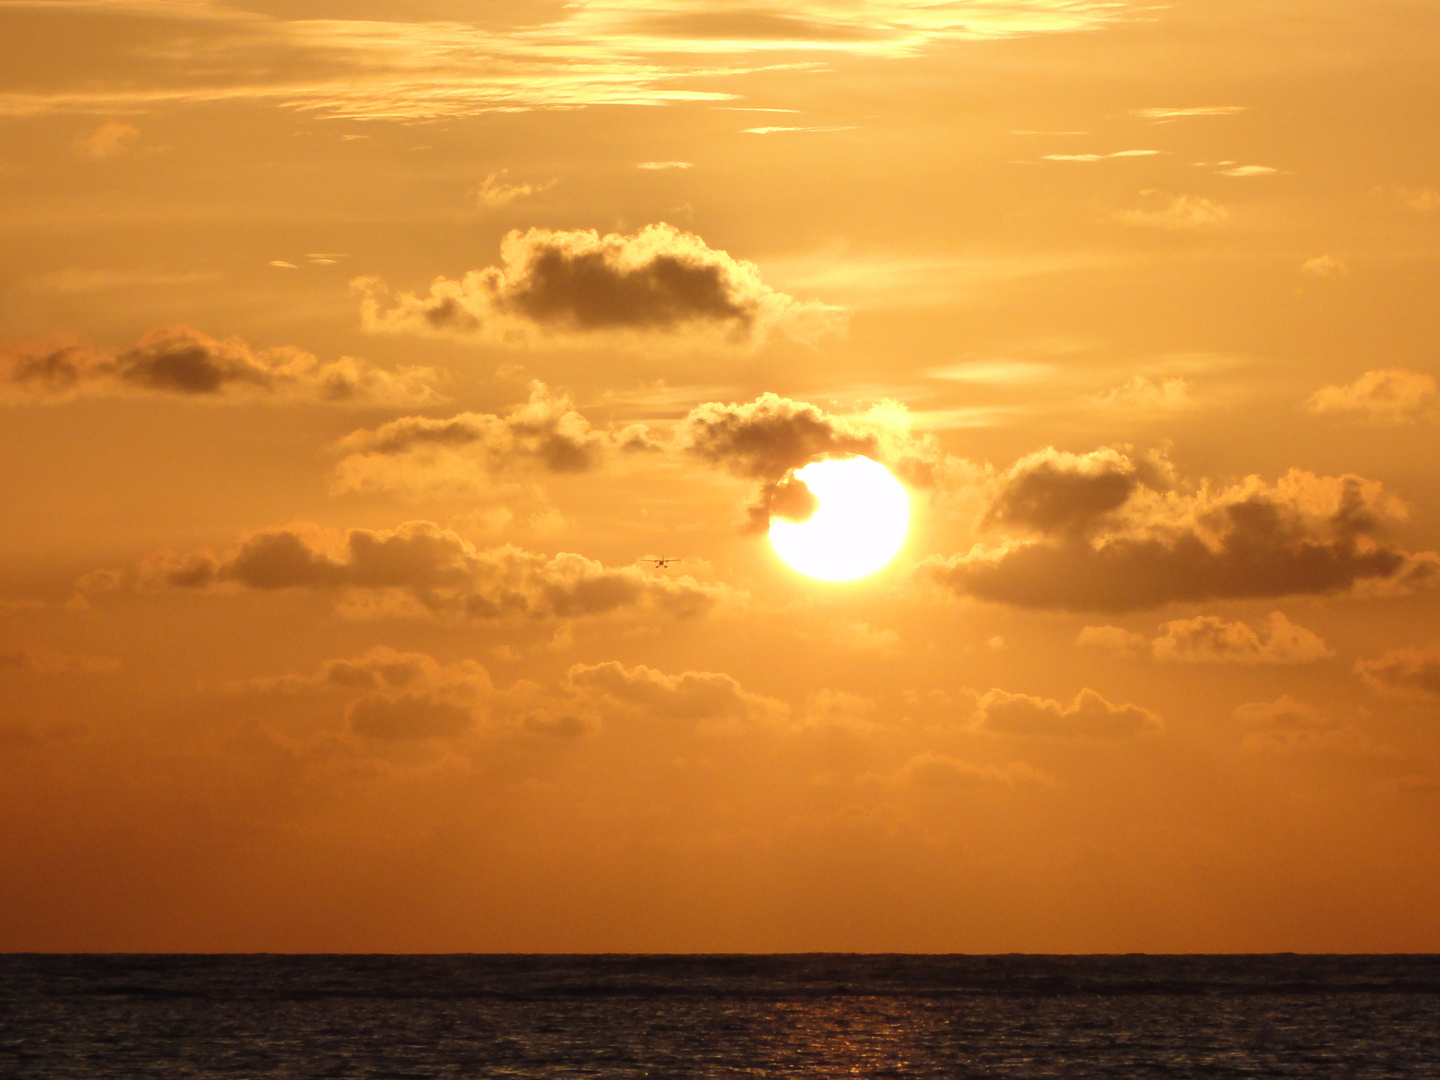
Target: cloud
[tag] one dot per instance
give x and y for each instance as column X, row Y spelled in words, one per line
column 1287, row 726
column 1390, row 395
column 690, row 696
column 1089, row 716
column 1407, row 673
column 1114, row 640
column 1072, row 494
column 417, row 455
column 496, row 191
column 835, row 711
column 575, row 283
column 402, row 696
column 51, row 663
column 1207, row 639
column 1284, row 713
column 601, row 52
column 939, row 772
column 1107, row 531
column 1211, row 640
column 408, row 716
column 107, row 141
column 1421, row 200
column 1148, row 395
column 422, row 569
column 1249, row 170
column 655, row 165
column 1182, row 212
column 184, row 362
column 1195, row 110
column 776, row 130
column 1325, row 266
column 767, row 438
column 1100, row 157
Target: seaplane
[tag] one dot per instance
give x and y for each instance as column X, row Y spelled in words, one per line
column 663, row 561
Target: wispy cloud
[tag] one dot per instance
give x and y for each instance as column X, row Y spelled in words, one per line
column 602, row 52
column 775, row 130
column 1194, row 110
column 496, row 191
column 1101, row 157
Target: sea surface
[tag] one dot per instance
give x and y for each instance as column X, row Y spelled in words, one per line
column 674, row 1017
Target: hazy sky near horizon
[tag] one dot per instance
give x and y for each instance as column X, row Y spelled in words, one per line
column 355, row 356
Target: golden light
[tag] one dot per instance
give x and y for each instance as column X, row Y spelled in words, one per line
column 857, row 527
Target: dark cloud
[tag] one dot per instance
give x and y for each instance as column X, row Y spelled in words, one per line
column 404, row 696
column 1207, row 639
column 408, row 716
column 1101, row 533
column 1287, row 726
column 419, row 454
column 939, row 772
column 1089, row 716
column 766, row 439
column 426, row 569
column 579, row 282
column 181, row 361
column 1056, row 493
column 46, row 662
column 692, row 695
column 1412, row 673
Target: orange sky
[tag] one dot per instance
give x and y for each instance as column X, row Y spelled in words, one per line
column 354, row 356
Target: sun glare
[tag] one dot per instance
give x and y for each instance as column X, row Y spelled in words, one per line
column 856, row 529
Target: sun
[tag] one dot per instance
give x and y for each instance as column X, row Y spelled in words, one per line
column 857, row 526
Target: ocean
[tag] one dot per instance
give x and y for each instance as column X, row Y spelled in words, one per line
column 680, row 1017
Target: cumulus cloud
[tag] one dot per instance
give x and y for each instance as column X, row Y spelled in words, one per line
column 557, row 283
column 700, row 696
column 1115, row 640
column 50, row 663
column 402, row 696
column 1421, row 200
column 497, row 191
column 419, row 455
column 1089, row 716
column 1111, row 531
column 940, row 772
column 184, row 362
column 1325, row 266
column 1208, row 639
column 766, row 438
column 106, row 141
column 422, row 569
column 1390, row 395
column 1141, row 394
column 1409, row 673
column 408, row 716
column 1287, row 726
column 769, row 437
column 1181, row 212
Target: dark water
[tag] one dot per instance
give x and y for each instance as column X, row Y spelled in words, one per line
column 677, row 1017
